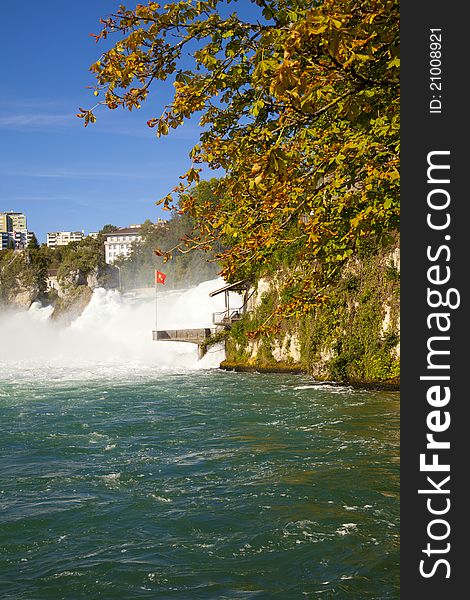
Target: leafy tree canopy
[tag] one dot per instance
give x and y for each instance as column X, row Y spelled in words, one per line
column 83, row 255
column 108, row 228
column 299, row 105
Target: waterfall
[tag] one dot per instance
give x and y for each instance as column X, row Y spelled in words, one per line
column 114, row 332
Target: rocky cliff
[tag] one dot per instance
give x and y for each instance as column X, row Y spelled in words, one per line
column 75, row 290
column 353, row 336
column 20, row 281
column 24, row 281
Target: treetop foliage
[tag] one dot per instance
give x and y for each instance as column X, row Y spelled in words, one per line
column 299, row 104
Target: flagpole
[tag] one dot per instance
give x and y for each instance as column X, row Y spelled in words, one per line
column 156, row 306
column 159, row 278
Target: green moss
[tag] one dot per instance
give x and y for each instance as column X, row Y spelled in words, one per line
column 344, row 339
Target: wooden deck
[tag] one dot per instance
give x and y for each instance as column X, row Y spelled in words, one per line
column 193, row 336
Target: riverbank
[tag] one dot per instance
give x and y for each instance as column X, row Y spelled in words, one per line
column 392, row 386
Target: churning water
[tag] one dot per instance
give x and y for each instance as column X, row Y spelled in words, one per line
column 129, row 470
column 114, row 333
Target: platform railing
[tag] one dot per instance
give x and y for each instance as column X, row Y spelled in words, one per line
column 227, row 317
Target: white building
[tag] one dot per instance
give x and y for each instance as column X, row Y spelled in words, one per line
column 4, row 239
column 21, row 239
column 63, row 238
column 52, row 283
column 17, row 240
column 119, row 242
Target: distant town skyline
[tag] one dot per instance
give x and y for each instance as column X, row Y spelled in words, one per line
column 63, row 176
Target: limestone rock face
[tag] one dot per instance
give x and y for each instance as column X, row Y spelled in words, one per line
column 77, row 290
column 105, row 276
column 22, row 283
column 71, row 305
column 24, row 297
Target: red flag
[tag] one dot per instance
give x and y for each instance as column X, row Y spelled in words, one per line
column 160, row 277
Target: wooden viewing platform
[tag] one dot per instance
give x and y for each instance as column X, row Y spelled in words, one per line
column 194, row 336
column 222, row 320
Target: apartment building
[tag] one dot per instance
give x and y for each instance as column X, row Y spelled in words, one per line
column 4, row 222
column 21, row 239
column 13, row 221
column 5, row 240
column 63, row 238
column 14, row 230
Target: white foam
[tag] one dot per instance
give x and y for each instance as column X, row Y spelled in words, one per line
column 112, row 335
column 346, row 528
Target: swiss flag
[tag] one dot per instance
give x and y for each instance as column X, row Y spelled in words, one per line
column 160, row 277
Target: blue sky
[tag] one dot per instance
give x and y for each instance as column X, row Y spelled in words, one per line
column 63, row 176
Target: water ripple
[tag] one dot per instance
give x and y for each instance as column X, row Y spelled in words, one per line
column 206, row 486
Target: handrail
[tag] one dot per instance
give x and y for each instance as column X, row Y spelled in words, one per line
column 227, row 315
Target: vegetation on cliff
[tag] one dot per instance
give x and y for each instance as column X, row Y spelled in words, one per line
column 353, row 336
column 81, row 265
column 22, row 277
column 23, row 274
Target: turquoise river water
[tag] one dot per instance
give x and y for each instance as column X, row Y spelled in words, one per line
column 197, row 484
